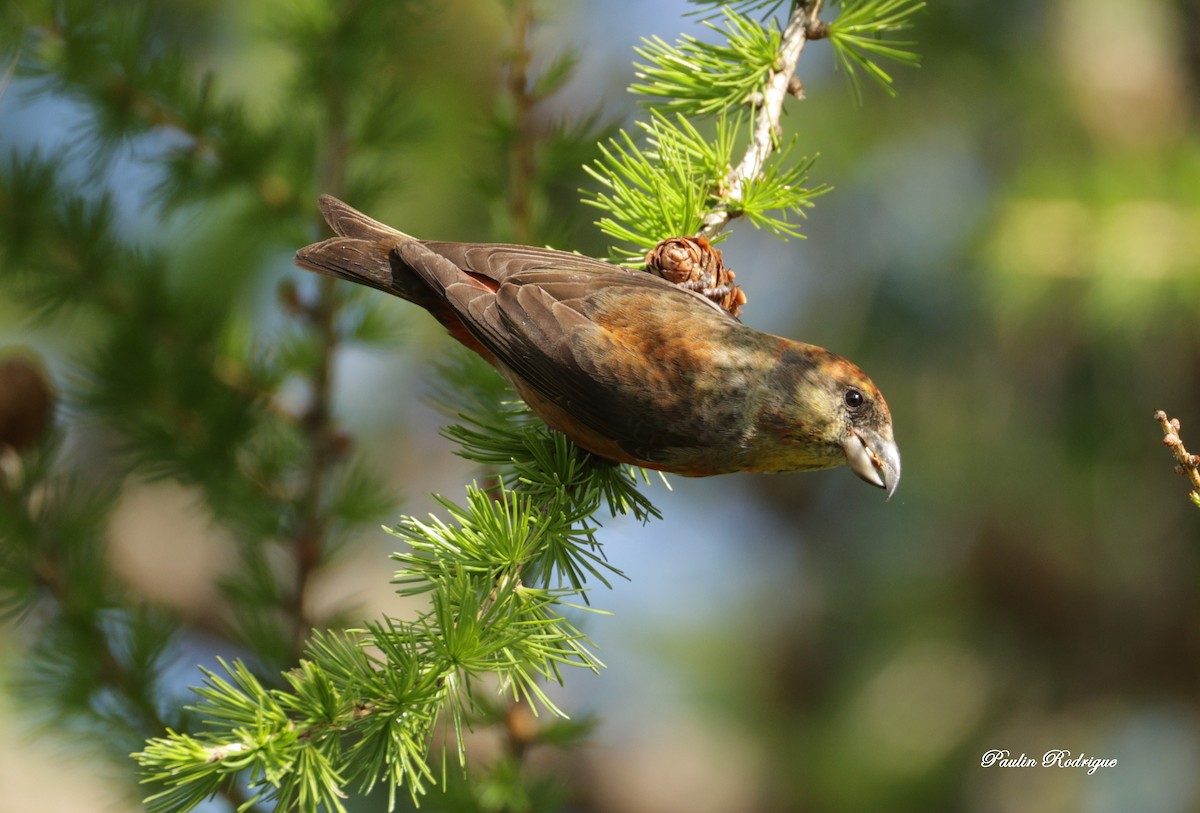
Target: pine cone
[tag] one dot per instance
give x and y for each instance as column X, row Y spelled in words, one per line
column 692, row 263
column 26, row 402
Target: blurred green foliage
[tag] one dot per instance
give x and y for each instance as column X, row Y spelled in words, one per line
column 192, row 362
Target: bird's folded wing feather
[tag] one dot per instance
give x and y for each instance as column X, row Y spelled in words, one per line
column 543, row 314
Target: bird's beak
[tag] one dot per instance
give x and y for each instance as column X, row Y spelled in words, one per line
column 874, row 458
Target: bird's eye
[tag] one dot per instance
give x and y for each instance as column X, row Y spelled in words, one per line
column 853, row 398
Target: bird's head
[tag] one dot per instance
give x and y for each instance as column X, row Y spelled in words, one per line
column 828, row 412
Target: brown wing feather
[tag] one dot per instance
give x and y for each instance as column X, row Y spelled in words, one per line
column 546, row 323
column 577, row 333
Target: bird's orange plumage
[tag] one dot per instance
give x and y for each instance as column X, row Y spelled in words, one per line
column 627, row 365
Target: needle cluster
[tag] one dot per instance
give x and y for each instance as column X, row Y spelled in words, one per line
column 503, row 571
column 713, row 148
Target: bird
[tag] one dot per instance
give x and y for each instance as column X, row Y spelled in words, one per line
column 629, row 366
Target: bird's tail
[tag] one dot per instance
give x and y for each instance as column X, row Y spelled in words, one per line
column 363, row 252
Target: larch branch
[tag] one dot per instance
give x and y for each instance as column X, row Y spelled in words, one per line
column 767, row 130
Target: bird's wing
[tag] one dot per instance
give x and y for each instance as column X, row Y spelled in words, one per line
column 598, row 341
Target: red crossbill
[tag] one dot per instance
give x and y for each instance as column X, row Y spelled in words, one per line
column 625, row 364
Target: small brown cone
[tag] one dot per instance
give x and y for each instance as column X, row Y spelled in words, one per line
column 522, row 726
column 692, row 263
column 26, row 401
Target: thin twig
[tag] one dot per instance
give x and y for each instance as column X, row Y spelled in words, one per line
column 767, row 129
column 308, row 540
column 1189, row 464
column 317, row 422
